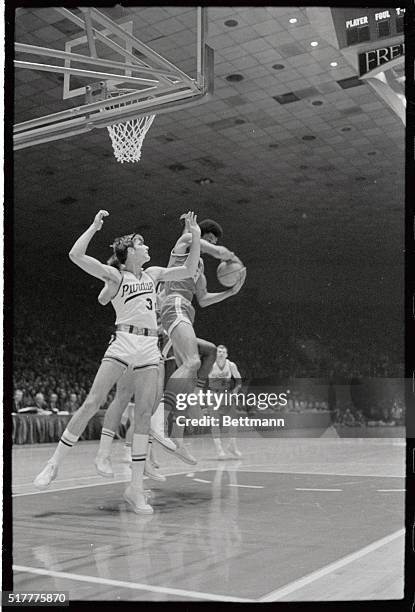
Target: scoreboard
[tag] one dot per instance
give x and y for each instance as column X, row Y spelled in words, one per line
column 371, row 40
column 375, row 33
column 354, row 26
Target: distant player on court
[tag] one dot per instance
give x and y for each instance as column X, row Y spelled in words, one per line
column 177, row 317
column 134, row 342
column 224, row 377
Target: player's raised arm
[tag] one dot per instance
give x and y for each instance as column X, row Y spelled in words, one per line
column 189, row 268
column 217, row 251
column 105, row 295
column 207, row 299
column 78, row 255
column 110, row 289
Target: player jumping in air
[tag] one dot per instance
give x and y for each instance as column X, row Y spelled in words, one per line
column 134, row 342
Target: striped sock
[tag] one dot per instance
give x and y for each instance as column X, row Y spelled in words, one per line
column 138, row 457
column 105, row 442
column 169, row 400
column 64, row 446
column 200, row 383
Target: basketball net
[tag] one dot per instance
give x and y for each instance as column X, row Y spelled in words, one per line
column 127, row 137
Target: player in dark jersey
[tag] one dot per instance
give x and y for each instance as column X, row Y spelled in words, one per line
column 177, row 317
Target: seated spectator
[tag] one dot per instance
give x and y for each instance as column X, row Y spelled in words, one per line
column 53, row 403
column 72, row 405
column 348, row 418
column 63, row 397
column 40, row 403
column 360, row 418
column 18, row 400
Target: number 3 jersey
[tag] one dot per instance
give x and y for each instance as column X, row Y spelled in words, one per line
column 135, row 301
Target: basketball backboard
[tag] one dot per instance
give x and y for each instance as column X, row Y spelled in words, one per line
column 103, row 58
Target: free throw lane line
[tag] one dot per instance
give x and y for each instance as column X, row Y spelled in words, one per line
column 245, row 486
column 328, row 569
column 137, row 586
column 306, row 489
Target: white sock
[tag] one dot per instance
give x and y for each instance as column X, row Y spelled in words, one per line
column 64, row 446
column 105, row 442
column 150, row 452
column 157, row 418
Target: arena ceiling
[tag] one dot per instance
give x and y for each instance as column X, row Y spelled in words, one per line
column 306, row 164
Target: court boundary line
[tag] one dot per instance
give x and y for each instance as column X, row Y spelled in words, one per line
column 244, row 469
column 96, row 484
column 138, row 586
column 207, row 469
column 330, row 568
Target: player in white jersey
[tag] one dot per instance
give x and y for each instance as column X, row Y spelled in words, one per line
column 121, row 408
column 134, row 343
column 224, row 377
column 177, row 316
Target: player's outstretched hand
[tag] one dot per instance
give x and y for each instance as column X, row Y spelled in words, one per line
column 99, row 219
column 192, row 224
column 237, row 286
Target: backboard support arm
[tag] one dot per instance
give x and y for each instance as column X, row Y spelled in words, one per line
column 156, row 86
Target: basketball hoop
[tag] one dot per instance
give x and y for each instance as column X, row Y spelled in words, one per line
column 128, row 136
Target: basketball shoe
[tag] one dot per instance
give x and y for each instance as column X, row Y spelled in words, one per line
column 103, row 466
column 138, row 501
column 152, row 471
column 45, row 477
column 183, row 454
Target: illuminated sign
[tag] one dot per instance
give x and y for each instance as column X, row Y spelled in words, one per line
column 358, row 21
column 377, row 57
column 364, row 19
column 383, row 15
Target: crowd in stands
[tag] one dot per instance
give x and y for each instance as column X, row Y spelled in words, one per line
column 54, row 365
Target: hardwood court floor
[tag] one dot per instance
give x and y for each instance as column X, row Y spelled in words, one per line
column 308, row 519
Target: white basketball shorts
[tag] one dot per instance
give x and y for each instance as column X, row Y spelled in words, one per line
column 132, row 350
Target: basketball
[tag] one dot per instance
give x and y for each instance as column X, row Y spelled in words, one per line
column 228, row 272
